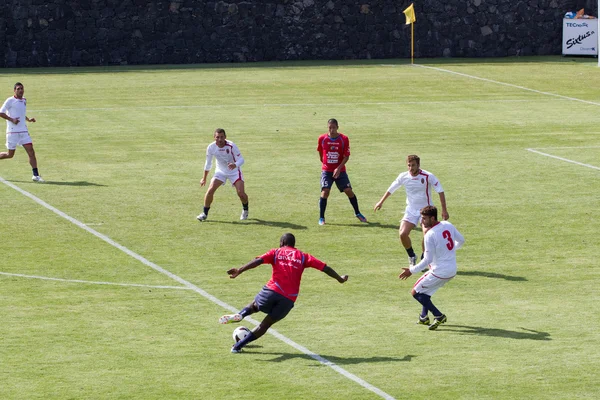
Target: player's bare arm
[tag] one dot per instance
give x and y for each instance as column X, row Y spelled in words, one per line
column 331, row 272
column 203, row 180
column 30, row 119
column 231, row 166
column 6, row 117
column 445, row 215
column 380, row 202
column 338, row 170
column 405, row 273
column 235, row 272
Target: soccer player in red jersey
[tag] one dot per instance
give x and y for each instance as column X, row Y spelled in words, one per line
column 277, row 297
column 334, row 152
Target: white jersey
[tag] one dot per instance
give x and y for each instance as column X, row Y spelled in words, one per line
column 441, row 242
column 418, row 188
column 15, row 108
column 224, row 155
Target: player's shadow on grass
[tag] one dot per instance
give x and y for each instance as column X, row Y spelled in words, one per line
column 367, row 225
column 56, row 183
column 256, row 221
column 281, row 357
column 492, row 275
column 529, row 334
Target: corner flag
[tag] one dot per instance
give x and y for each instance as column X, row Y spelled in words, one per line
column 410, row 14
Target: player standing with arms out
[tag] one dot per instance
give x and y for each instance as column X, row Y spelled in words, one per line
column 441, row 242
column 229, row 161
column 14, row 111
column 334, row 152
column 277, row 297
column 418, row 184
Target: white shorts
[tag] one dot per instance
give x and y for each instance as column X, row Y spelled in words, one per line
column 17, row 139
column 233, row 176
column 429, row 283
column 412, row 215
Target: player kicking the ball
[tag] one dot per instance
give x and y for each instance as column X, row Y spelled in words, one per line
column 441, row 242
column 277, row 297
column 229, row 161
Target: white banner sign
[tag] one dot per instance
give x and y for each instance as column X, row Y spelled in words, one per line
column 580, row 37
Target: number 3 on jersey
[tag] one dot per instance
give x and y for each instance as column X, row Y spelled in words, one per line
column 446, row 235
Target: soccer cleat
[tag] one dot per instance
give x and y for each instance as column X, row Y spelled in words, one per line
column 321, row 221
column 37, row 178
column 244, row 215
column 202, row 217
column 412, row 261
column 361, row 218
column 235, row 351
column 423, row 321
column 225, row 319
column 437, row 322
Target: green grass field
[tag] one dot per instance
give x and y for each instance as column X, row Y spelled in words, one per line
column 515, row 143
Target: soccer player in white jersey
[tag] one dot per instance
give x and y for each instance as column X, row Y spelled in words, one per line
column 441, row 242
column 418, row 184
column 14, row 111
column 229, row 161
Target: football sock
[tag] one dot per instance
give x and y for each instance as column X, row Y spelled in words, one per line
column 425, row 300
column 411, row 252
column 246, row 311
column 354, row 202
column 322, row 207
column 245, row 206
column 424, row 312
column 35, row 172
column 206, row 210
column 249, row 338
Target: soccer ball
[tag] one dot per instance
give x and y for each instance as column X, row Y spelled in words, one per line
column 239, row 333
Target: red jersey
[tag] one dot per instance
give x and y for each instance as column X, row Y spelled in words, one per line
column 288, row 265
column 333, row 151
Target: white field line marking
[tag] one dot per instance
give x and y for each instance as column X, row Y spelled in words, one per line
column 47, row 278
column 564, row 159
column 202, row 292
column 383, row 103
column 560, row 96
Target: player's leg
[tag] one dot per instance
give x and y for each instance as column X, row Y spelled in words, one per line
column 239, row 187
column 326, row 182
column 343, row 184
column 33, row 161
column 405, row 228
column 7, row 154
column 275, row 305
column 244, row 312
column 11, row 146
column 215, row 183
column 424, row 288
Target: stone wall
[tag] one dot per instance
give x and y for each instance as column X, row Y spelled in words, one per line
column 111, row 32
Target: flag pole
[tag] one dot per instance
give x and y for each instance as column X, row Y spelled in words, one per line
column 412, row 43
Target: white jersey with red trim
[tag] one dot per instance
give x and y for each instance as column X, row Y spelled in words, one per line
column 441, row 242
column 15, row 108
column 418, row 188
column 224, row 155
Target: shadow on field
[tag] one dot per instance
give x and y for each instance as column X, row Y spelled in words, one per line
column 74, row 183
column 256, row 221
column 337, row 360
column 492, row 275
column 476, row 330
column 367, row 225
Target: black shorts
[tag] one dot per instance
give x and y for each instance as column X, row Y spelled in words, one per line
column 342, row 182
column 276, row 305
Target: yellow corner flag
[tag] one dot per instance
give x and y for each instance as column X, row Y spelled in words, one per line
column 410, row 14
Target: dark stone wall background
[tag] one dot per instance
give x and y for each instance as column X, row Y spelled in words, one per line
column 37, row 33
